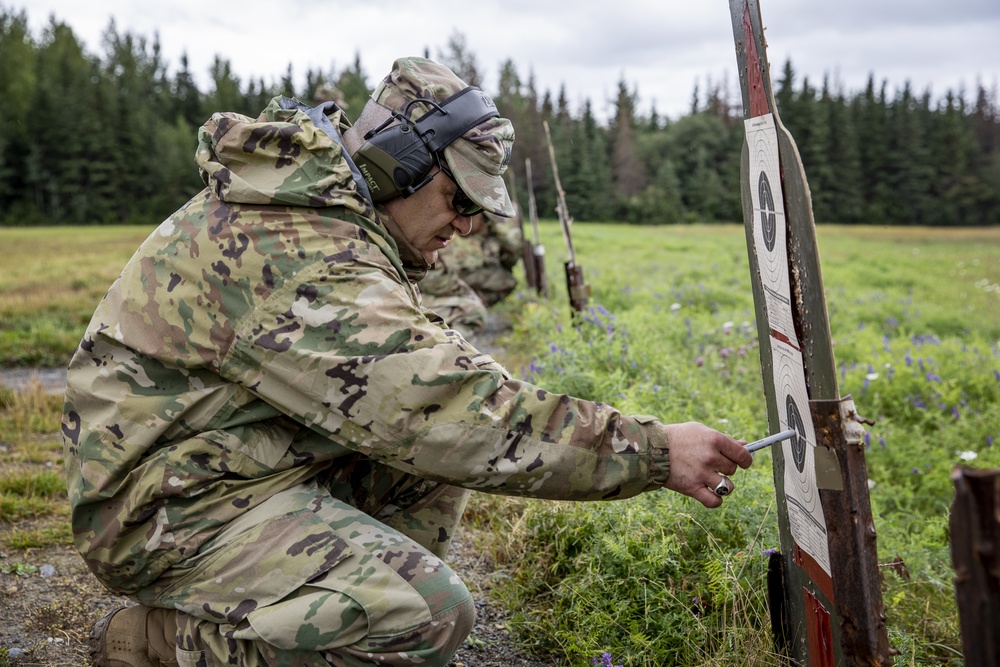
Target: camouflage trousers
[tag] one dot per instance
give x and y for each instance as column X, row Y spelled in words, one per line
column 387, row 599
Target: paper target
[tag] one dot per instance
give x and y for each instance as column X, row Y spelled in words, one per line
column 767, row 211
column 798, row 443
column 805, row 510
column 768, row 221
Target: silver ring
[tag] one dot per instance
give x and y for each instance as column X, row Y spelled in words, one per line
column 722, row 488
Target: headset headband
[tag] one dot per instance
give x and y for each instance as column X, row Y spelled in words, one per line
column 454, row 117
column 396, row 160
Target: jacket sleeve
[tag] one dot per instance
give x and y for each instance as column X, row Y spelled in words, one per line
column 346, row 351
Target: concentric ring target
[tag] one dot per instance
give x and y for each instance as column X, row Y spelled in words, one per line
column 799, row 442
column 768, row 223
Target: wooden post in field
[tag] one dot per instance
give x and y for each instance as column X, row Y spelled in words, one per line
column 975, row 553
column 537, row 249
column 824, row 585
column 527, row 256
column 579, row 291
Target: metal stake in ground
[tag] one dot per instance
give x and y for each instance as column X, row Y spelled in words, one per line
column 823, row 585
column 579, row 291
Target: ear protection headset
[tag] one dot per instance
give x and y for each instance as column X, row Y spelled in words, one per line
column 395, row 160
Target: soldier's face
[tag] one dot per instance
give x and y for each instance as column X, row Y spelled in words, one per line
column 427, row 217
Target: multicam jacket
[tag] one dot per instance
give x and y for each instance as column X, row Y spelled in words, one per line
column 266, row 334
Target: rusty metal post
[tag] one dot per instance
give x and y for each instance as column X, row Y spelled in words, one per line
column 975, row 553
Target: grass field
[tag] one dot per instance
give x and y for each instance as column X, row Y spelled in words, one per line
column 656, row 580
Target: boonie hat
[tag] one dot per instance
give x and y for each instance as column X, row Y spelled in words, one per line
column 479, row 157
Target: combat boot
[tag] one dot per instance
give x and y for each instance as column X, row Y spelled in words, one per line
column 135, row 636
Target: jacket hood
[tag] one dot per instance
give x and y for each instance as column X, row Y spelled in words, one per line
column 291, row 155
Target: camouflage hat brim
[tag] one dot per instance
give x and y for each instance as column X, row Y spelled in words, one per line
column 478, row 160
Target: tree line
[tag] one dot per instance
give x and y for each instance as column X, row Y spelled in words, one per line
column 110, row 138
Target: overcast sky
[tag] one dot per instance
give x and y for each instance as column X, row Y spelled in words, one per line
column 662, row 48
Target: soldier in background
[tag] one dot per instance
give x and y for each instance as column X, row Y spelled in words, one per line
column 270, row 441
column 327, row 92
column 473, row 273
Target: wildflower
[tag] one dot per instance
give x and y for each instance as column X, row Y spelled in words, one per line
column 871, row 376
column 914, row 471
column 769, row 552
column 674, row 307
column 604, row 660
column 989, row 441
column 725, row 352
column 968, row 456
column 881, row 441
column 699, row 361
column 954, row 412
column 656, row 388
column 871, row 484
column 868, row 440
column 727, row 327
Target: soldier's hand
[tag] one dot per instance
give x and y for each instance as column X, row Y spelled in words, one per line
column 700, row 457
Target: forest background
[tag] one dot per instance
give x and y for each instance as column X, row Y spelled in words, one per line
column 110, row 138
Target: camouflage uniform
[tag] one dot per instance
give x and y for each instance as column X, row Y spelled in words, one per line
column 265, row 430
column 473, row 273
column 486, row 261
column 453, row 299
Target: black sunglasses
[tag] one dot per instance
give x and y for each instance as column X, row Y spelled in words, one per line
column 461, row 202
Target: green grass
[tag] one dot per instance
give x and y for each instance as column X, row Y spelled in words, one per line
column 915, row 316
column 51, row 279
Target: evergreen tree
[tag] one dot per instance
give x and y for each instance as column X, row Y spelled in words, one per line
column 354, row 86
column 589, row 192
column 225, row 94
column 132, row 66
column 17, row 91
column 909, row 173
column 57, row 166
column 628, row 173
column 870, row 117
column 460, row 60
column 843, row 187
column 186, row 96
